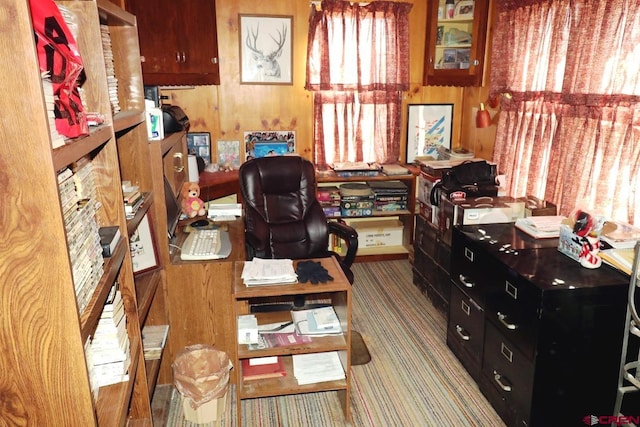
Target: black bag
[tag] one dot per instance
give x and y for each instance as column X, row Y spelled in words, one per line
column 174, row 119
column 471, row 178
column 470, row 173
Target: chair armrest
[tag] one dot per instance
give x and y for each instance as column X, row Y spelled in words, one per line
column 350, row 236
column 251, row 246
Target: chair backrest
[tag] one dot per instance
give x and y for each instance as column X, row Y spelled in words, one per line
column 283, row 218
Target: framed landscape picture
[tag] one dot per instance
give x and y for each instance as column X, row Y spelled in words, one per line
column 428, row 128
column 271, row 143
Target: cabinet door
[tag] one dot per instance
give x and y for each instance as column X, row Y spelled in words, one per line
column 455, row 44
column 178, row 41
column 199, row 46
column 159, row 54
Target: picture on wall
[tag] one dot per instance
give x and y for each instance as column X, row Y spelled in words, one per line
column 428, row 127
column 266, row 49
column 271, row 143
column 199, row 144
column 228, row 154
column 143, row 248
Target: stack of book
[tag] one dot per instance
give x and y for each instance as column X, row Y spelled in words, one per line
column 81, row 226
column 154, row 337
column 259, row 368
column 317, row 367
column 133, row 199
column 389, row 195
column 356, row 199
column 57, row 140
column 348, row 169
column 110, row 351
column 329, row 199
column 619, row 240
column 112, row 81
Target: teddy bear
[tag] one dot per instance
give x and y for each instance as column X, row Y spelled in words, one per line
column 192, row 204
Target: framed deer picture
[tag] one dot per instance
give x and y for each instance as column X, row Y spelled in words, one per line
column 266, row 49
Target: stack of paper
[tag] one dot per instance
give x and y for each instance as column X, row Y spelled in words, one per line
column 619, row 234
column 317, row 367
column 540, row 227
column 154, row 338
column 268, row 272
column 622, row 258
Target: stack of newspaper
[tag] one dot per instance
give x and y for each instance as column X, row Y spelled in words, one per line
column 258, row 272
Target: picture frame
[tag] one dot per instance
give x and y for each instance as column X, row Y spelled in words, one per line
column 228, row 154
column 464, row 9
column 429, row 126
column 271, row 143
column 144, row 255
column 266, row 49
column 199, row 144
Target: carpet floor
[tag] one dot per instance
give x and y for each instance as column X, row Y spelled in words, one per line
column 413, row 379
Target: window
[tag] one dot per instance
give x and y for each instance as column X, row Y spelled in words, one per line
column 357, row 69
column 570, row 132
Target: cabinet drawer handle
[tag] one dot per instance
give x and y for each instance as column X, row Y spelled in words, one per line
column 179, row 164
column 460, row 330
column 503, row 319
column 177, row 56
column 465, row 282
column 499, row 380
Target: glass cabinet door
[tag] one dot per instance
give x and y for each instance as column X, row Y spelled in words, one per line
column 455, row 43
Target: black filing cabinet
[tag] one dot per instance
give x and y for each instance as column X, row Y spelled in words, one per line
column 539, row 333
column 432, row 259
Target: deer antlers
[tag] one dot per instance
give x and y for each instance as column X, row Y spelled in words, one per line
column 252, row 44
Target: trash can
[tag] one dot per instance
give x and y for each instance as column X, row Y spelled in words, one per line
column 201, row 375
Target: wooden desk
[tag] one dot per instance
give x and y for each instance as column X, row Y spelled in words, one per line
column 214, row 185
column 199, row 297
column 337, row 293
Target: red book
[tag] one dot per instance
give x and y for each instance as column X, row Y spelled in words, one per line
column 259, row 372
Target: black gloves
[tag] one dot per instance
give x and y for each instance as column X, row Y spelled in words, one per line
column 312, row 271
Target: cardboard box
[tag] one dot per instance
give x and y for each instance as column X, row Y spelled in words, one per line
column 211, row 411
column 379, row 233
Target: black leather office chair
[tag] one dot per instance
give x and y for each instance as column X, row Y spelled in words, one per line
column 283, row 218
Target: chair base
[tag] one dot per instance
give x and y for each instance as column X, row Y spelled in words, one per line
column 359, row 352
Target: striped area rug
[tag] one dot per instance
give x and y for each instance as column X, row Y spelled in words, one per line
column 412, row 380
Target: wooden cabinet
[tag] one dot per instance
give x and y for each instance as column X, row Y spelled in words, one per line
column 42, row 329
column 406, row 217
column 337, row 293
column 540, row 334
column 455, row 43
column 178, row 41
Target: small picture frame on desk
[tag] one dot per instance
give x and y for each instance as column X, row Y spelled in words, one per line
column 143, row 248
column 199, row 144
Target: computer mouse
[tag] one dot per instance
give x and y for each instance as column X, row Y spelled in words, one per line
column 199, row 223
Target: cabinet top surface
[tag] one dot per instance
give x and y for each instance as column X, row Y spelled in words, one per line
column 538, row 260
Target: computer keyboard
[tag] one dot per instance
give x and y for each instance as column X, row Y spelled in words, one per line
column 201, row 245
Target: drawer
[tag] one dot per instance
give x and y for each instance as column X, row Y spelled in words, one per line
column 508, row 371
column 513, row 307
column 465, row 331
column 426, row 236
column 443, row 255
column 442, row 284
column 419, row 281
column 425, row 265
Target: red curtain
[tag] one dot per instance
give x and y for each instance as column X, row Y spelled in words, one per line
column 357, row 67
column 570, row 130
